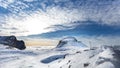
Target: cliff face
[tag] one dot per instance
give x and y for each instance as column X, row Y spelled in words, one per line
column 12, row 42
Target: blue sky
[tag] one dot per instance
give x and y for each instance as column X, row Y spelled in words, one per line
column 59, row 18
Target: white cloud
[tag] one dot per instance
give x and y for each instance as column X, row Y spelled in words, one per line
column 37, row 22
column 29, row 0
column 5, row 3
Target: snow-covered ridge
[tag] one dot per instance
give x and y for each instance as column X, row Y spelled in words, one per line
column 109, row 58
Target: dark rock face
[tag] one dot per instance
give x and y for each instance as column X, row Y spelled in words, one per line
column 20, row 45
column 12, row 42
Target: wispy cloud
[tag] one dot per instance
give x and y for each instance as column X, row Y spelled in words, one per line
column 39, row 21
column 37, row 17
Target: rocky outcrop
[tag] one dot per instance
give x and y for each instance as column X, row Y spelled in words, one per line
column 12, row 42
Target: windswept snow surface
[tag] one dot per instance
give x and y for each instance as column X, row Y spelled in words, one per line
column 54, row 57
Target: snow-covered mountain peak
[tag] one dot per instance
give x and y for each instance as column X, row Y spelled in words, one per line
column 69, row 42
column 69, row 39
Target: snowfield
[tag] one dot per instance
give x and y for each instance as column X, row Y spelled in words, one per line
column 69, row 53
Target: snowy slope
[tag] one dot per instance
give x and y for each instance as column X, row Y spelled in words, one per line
column 60, row 57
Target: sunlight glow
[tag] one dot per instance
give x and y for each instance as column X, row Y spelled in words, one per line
column 38, row 22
